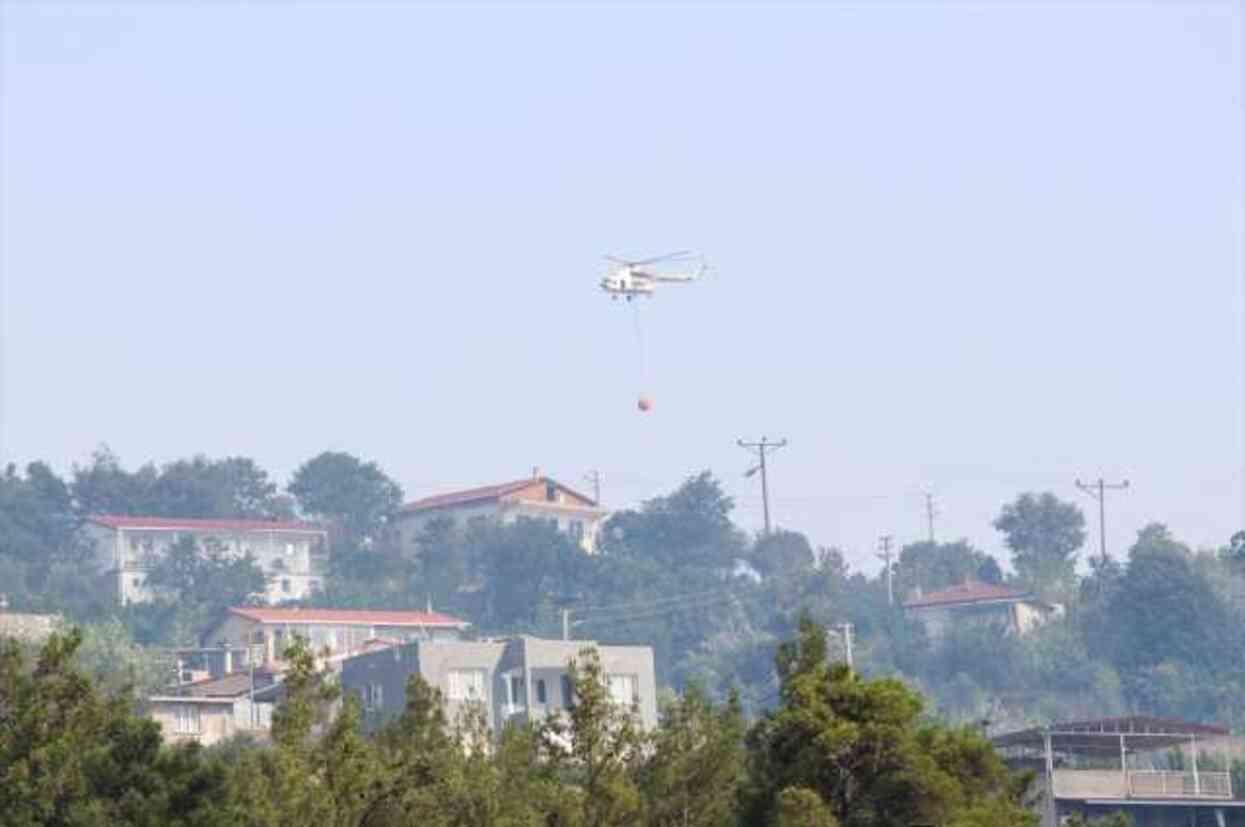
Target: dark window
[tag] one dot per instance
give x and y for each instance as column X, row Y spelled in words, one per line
column 551, row 492
column 568, row 692
column 541, row 697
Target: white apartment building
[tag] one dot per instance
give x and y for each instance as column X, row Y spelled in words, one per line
column 293, row 555
column 536, row 497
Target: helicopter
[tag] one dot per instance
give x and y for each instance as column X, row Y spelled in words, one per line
column 634, row 278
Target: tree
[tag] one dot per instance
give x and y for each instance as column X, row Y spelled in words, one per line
column 695, row 759
column 205, row 575
column 802, row 807
column 230, row 488
column 932, row 566
column 861, row 748
column 527, row 565
column 689, row 527
column 356, row 496
column 192, row 585
column 1163, row 610
column 1044, row 534
column 446, row 561
column 195, row 488
column 72, row 756
column 783, row 552
column 1235, row 550
column 43, row 557
column 600, row 748
column 104, row 487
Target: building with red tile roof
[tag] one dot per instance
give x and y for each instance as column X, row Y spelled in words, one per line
column 536, row 497
column 1018, row 610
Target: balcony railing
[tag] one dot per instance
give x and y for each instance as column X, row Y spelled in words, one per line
column 1082, row 784
column 1165, row 784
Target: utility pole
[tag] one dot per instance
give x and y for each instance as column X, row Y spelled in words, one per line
column 594, row 477
column 845, row 629
column 930, row 512
column 762, row 448
column 1098, row 490
column 885, row 556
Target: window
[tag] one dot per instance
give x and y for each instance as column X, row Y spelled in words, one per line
column 467, row 685
column 568, row 692
column 624, row 689
column 285, row 586
column 186, row 719
column 517, row 691
column 577, row 530
column 551, row 492
column 289, row 548
column 373, row 697
column 541, row 696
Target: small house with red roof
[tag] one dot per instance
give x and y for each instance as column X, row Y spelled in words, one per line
column 536, row 497
column 1017, row 610
column 293, row 555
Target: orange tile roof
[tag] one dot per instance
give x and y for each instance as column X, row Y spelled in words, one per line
column 483, row 494
column 967, row 593
column 349, row 617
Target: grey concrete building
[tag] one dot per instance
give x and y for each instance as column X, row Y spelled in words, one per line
column 515, row 679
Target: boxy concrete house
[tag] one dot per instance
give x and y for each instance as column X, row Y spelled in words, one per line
column 293, row 555
column 268, row 631
column 537, row 498
column 516, row 679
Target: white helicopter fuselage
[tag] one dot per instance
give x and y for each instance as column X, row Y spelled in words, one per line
column 629, row 282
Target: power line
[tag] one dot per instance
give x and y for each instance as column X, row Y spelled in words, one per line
column 614, row 608
column 1100, row 494
column 658, row 612
column 762, row 448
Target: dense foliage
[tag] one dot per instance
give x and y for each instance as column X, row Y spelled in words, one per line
column 1149, row 632
column 837, row 750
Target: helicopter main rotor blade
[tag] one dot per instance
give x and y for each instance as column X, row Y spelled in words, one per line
column 666, row 257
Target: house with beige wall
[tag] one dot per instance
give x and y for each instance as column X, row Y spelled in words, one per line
column 293, row 555
column 209, row 711
column 267, row 631
column 1017, row 610
column 536, row 497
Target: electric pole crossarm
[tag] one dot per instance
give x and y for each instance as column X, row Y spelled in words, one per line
column 761, row 449
column 1098, row 490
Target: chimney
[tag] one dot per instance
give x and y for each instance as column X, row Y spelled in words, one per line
column 535, row 472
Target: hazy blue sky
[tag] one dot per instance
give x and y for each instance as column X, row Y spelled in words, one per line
column 978, row 248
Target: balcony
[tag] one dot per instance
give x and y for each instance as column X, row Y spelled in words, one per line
column 1142, row 784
